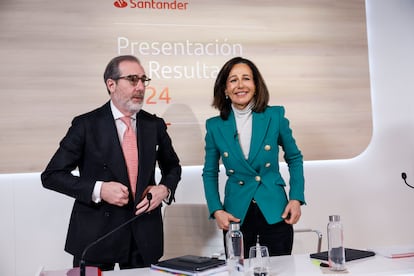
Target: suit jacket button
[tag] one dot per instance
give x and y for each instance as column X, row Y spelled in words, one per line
column 267, row 147
column 257, row 178
column 267, row 165
column 225, row 154
column 231, row 171
column 241, row 182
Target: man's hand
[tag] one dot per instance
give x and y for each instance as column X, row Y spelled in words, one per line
column 223, row 219
column 115, row 193
column 159, row 193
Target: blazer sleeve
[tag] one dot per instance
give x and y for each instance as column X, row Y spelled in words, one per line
column 211, row 170
column 293, row 158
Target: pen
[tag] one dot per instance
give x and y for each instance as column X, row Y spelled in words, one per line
column 322, row 264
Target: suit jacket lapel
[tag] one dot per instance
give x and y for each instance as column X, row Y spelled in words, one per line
column 107, row 137
column 147, row 140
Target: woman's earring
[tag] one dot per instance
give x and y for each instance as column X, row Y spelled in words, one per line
column 227, row 97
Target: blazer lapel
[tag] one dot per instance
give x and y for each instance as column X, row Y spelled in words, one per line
column 231, row 138
column 260, row 125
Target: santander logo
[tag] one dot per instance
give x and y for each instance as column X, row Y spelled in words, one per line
column 120, row 4
column 152, row 4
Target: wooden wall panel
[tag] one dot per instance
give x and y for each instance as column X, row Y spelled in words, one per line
column 313, row 55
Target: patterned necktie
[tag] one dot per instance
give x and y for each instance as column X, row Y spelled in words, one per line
column 130, row 149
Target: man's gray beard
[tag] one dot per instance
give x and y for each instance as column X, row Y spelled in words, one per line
column 135, row 108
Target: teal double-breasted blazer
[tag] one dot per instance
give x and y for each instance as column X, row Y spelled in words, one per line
column 258, row 177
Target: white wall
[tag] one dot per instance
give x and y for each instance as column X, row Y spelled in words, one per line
column 367, row 191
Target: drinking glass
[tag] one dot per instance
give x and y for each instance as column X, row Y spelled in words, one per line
column 259, row 263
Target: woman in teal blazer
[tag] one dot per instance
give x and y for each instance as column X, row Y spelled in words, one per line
column 246, row 137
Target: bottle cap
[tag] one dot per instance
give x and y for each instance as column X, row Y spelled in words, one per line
column 234, row 226
column 334, row 218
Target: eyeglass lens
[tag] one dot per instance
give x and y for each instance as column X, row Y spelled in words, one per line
column 134, row 79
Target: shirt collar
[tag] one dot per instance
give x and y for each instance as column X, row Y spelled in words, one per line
column 118, row 114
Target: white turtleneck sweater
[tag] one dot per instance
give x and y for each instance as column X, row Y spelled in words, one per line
column 244, row 127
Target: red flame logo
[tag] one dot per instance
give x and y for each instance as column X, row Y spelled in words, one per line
column 120, row 4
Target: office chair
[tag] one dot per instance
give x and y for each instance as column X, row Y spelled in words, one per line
column 188, row 230
column 299, row 241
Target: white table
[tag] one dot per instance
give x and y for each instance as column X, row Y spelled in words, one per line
column 302, row 265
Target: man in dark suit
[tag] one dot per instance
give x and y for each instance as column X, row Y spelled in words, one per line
column 103, row 191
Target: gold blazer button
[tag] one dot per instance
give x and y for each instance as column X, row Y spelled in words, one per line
column 257, row 178
column 267, row 147
column 225, row 154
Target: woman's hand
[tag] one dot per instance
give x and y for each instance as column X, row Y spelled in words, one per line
column 292, row 212
column 223, row 219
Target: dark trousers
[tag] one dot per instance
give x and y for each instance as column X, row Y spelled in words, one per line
column 277, row 237
column 134, row 261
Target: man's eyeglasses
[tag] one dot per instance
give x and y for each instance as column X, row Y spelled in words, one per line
column 134, row 79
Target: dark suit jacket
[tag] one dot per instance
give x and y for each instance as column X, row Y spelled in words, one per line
column 92, row 145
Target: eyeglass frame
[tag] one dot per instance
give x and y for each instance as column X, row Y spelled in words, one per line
column 144, row 79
